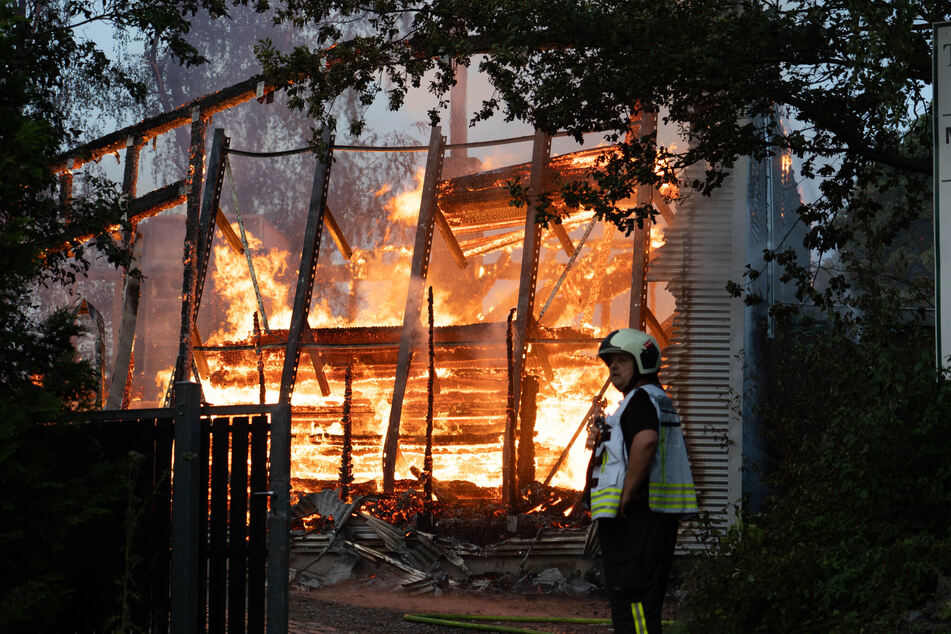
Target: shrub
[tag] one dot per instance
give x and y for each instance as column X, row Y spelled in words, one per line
column 856, row 529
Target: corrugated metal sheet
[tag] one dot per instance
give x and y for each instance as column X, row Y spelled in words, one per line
column 698, row 258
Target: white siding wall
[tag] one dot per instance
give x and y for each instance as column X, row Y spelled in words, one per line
column 704, row 249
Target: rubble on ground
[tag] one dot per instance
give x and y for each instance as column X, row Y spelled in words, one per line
column 466, row 541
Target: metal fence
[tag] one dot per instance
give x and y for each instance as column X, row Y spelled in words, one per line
column 210, row 543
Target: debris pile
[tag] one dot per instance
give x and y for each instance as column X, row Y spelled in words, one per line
column 466, row 543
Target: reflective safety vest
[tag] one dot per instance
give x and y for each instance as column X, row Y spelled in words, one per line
column 670, row 485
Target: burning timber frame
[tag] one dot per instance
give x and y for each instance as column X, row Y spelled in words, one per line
column 204, row 214
column 703, row 250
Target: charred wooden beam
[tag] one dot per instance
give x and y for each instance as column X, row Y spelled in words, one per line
column 259, row 357
column 315, row 359
column 149, row 128
column 414, row 294
column 130, row 173
column 450, row 238
column 388, row 337
column 486, row 244
column 210, row 204
column 190, row 257
column 480, row 201
column 225, row 227
column 665, row 210
column 662, row 335
column 65, row 187
column 201, row 363
column 308, row 264
column 563, row 237
column 339, row 239
column 158, row 200
column 120, row 388
column 133, row 283
column 430, row 396
column 508, row 437
column 346, row 457
column 639, row 255
column 646, row 125
column 542, row 357
column 525, row 466
column 530, row 252
column 245, row 248
column 123, row 365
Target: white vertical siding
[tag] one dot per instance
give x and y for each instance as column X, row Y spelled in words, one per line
column 705, row 248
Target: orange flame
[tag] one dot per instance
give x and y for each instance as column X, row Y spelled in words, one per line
column 379, row 300
column 404, row 207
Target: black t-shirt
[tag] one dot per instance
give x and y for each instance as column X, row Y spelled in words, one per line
column 638, row 416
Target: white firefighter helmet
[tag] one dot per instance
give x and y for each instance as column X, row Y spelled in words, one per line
column 639, row 345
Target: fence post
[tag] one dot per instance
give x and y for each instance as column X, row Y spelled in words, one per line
column 278, row 547
column 186, row 526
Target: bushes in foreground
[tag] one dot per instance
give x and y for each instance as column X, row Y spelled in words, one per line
column 855, row 534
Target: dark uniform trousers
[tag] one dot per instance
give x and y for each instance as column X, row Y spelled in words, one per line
column 636, row 553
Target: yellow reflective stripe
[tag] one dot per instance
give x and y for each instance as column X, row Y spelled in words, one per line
column 604, row 460
column 640, row 622
column 605, row 491
column 674, row 506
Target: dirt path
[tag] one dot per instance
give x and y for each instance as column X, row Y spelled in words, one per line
column 360, row 607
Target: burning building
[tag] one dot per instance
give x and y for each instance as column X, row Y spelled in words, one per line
column 282, row 313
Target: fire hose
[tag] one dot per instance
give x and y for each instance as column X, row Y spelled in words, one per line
column 465, row 621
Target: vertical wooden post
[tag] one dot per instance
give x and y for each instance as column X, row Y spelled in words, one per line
column 308, row 268
column 186, row 524
column 210, row 199
column 259, row 356
column 66, row 187
column 346, row 453
column 646, row 125
column 430, row 402
column 196, row 166
column 122, row 368
column 279, row 524
column 414, row 299
column 508, row 437
column 530, row 253
column 528, row 413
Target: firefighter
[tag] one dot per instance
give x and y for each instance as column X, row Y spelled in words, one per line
column 640, row 484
